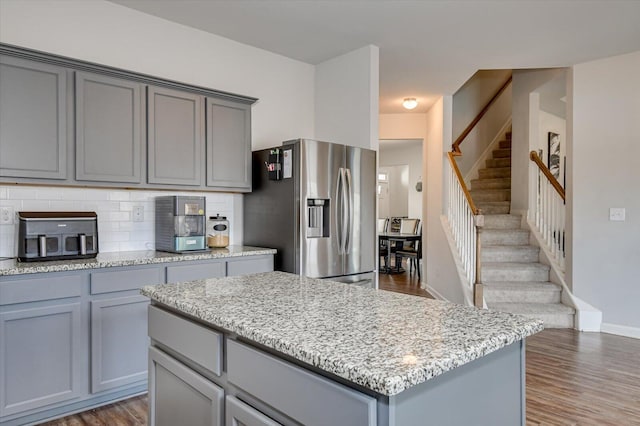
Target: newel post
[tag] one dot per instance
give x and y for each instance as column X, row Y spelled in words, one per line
column 478, row 297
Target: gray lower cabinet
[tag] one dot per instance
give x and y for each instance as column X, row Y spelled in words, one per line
column 108, row 129
column 118, row 342
column 180, row 396
column 228, row 145
column 175, row 136
column 195, row 271
column 33, row 119
column 241, row 414
column 40, row 360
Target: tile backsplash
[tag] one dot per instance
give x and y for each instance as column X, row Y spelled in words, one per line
column 116, row 229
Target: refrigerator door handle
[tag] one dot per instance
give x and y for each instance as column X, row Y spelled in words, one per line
column 344, row 214
column 349, row 191
column 339, row 211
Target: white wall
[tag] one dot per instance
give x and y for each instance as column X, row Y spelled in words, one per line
column 468, row 101
column 441, row 274
column 395, row 202
column 346, row 98
column 116, row 229
column 409, row 153
column 552, row 123
column 105, row 33
column 110, row 34
column 522, row 141
column 403, row 126
column 605, row 173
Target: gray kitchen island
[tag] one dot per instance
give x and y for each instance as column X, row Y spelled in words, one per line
column 276, row 348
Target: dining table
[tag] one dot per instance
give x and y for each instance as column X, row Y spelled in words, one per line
column 387, row 238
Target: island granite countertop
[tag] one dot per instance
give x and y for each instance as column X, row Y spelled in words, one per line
column 126, row 258
column 386, row 342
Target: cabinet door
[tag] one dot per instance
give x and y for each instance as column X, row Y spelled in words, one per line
column 33, row 119
column 108, row 129
column 180, row 396
column 40, row 357
column 241, row 414
column 228, row 144
column 175, row 135
column 118, row 342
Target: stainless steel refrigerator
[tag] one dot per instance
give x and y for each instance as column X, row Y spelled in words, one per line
column 315, row 203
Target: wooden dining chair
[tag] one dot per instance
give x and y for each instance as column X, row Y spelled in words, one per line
column 414, row 255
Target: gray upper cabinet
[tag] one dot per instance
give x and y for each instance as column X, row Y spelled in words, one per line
column 108, row 129
column 228, row 145
column 175, row 134
column 33, row 119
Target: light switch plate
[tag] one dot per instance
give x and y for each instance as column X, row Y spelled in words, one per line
column 617, row 214
column 6, row 215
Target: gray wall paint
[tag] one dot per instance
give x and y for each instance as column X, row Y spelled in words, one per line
column 468, row 102
column 606, row 133
column 524, row 82
column 441, row 274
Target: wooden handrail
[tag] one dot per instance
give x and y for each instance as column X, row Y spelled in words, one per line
column 455, row 148
column 545, row 170
column 454, row 165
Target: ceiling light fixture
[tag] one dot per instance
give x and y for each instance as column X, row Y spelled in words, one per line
column 410, row 103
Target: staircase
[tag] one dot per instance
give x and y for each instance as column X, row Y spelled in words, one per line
column 514, row 279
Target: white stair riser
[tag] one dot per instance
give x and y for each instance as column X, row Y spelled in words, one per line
column 510, row 254
column 501, row 172
column 504, row 237
column 533, row 274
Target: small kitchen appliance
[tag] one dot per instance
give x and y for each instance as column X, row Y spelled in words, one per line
column 218, row 231
column 57, row 235
column 180, row 223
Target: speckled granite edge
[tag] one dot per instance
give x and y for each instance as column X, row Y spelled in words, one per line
column 379, row 373
column 131, row 258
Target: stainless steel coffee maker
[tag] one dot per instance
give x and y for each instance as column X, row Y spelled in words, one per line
column 180, row 223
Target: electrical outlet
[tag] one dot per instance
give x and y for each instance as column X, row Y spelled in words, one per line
column 6, row 215
column 617, row 214
column 138, row 213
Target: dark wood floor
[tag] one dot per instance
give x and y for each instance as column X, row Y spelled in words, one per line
column 573, row 378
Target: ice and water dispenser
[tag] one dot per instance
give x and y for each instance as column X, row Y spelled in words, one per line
column 180, row 223
column 318, row 214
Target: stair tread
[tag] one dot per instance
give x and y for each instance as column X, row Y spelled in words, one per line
column 491, row 190
column 506, row 231
column 499, row 247
column 532, row 308
column 493, row 203
column 490, row 180
column 514, row 265
column 523, row 285
column 497, row 168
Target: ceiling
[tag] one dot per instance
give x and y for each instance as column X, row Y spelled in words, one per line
column 427, row 48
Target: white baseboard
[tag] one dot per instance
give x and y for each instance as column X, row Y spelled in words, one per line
column 620, row 330
column 432, row 291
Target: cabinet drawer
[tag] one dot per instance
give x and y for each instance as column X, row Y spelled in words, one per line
column 239, row 413
column 180, row 396
column 249, row 266
column 129, row 279
column 45, row 288
column 193, row 341
column 195, row 272
column 323, row 402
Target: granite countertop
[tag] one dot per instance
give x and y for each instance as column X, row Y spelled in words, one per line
column 384, row 341
column 125, row 258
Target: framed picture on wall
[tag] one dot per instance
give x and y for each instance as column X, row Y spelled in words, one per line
column 553, row 154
